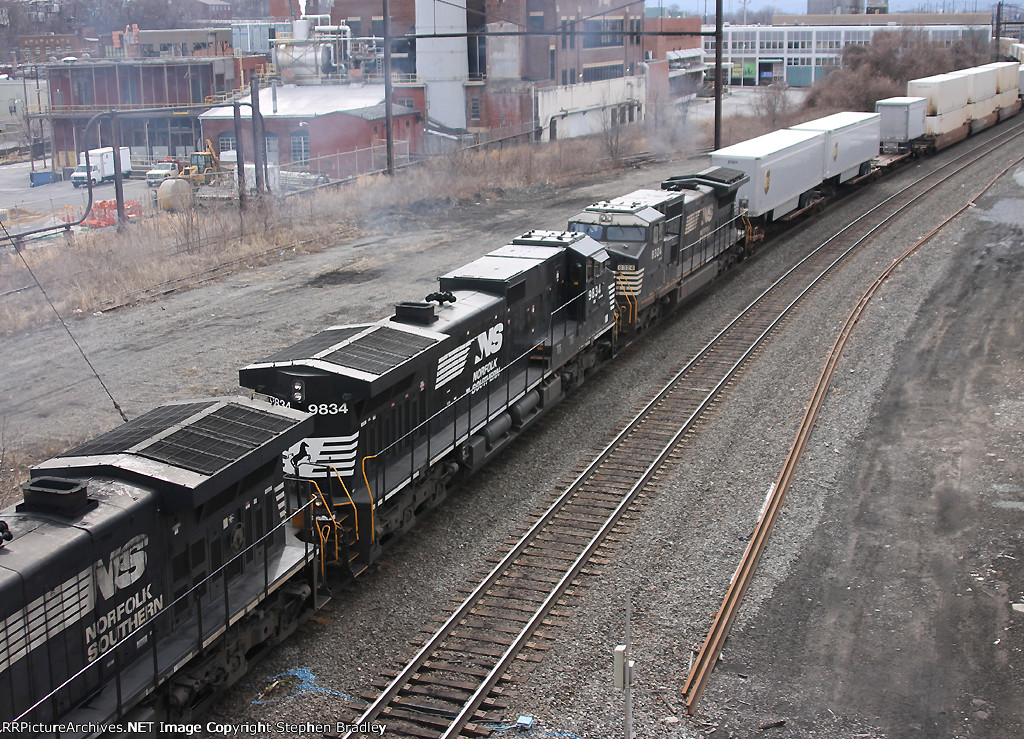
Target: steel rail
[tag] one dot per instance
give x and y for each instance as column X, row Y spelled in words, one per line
column 395, row 686
column 472, row 703
column 707, row 658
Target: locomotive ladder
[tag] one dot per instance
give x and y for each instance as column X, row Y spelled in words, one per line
column 450, row 685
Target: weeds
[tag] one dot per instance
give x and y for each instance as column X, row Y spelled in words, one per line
column 97, row 270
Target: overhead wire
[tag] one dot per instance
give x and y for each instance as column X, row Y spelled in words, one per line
column 63, row 323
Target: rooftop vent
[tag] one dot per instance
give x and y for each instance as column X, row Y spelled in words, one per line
column 56, row 496
column 418, row 313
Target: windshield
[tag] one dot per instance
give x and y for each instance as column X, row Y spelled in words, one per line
column 609, row 233
column 163, row 165
column 593, row 230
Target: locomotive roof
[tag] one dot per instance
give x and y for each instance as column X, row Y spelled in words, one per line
column 505, row 263
column 197, row 447
column 635, row 201
column 364, row 352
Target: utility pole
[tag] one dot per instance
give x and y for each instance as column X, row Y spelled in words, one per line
column 388, row 123
column 719, row 34
column 999, row 23
column 257, row 134
column 239, row 160
column 115, row 143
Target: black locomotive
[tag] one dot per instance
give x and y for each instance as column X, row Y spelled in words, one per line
column 404, row 405
column 146, row 567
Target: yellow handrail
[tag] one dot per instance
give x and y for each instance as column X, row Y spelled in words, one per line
column 355, row 512
column 627, row 292
column 373, row 532
column 319, row 531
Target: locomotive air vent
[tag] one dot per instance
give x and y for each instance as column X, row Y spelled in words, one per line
column 56, row 496
column 421, row 313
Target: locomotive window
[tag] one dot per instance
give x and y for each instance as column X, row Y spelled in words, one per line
column 593, row 230
column 626, row 233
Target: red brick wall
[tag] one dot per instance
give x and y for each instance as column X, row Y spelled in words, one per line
column 660, row 45
column 328, row 134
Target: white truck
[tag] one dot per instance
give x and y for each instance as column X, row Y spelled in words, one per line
column 162, row 171
column 101, row 162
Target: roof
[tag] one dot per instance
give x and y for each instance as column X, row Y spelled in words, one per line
column 309, row 101
column 199, row 446
column 901, row 100
column 836, row 121
column 768, row 144
column 364, row 352
column 376, row 112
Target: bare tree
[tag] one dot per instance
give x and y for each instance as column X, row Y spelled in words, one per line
column 611, row 131
column 771, row 102
column 881, row 68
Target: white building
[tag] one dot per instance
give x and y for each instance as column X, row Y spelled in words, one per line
column 801, row 49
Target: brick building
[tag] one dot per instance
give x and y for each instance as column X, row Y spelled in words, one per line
column 79, row 89
column 314, row 128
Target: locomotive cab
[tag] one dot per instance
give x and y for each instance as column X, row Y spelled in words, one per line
column 641, row 232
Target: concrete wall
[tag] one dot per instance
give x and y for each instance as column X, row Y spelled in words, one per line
column 443, row 64
column 584, row 109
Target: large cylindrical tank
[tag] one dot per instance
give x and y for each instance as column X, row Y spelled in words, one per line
column 174, row 195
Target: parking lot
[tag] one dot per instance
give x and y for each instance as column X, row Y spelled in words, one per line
column 24, row 208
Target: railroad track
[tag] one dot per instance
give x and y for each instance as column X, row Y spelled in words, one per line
column 442, row 690
column 704, row 664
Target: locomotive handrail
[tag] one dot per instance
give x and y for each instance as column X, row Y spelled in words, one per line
column 348, row 495
column 373, row 506
column 627, row 292
column 319, row 531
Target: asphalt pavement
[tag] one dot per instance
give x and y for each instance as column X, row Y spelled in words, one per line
column 23, row 207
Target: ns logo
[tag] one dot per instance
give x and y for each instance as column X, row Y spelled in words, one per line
column 126, row 565
column 489, row 342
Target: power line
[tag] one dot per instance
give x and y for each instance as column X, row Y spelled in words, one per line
column 78, row 346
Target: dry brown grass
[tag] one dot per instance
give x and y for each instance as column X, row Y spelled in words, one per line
column 96, row 270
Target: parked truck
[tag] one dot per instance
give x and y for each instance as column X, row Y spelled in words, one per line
column 161, row 171
column 101, row 163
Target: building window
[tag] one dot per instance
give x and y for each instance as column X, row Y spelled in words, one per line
column 604, row 72
column 227, row 142
column 300, row 147
column 474, row 107
column 602, row 33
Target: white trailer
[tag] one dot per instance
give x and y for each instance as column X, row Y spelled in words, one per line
column 982, row 83
column 851, row 142
column 782, row 166
column 1006, row 75
column 901, row 121
column 944, row 92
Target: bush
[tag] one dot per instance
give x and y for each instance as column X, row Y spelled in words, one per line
column 880, row 69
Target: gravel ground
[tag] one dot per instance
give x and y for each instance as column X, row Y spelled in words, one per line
column 675, row 556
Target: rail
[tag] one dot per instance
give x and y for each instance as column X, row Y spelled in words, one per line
column 700, row 673
column 579, row 519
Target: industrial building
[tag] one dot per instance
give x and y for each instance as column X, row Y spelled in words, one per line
column 799, row 49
